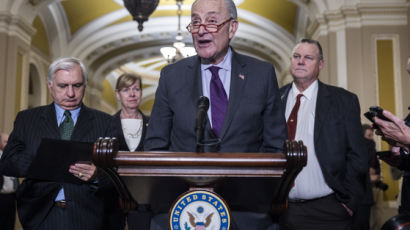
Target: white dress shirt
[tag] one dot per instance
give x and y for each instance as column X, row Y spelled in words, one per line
column 310, row 182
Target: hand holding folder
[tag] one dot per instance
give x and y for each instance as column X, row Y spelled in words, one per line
column 54, row 158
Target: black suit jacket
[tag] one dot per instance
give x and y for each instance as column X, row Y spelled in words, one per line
column 120, row 136
column 339, row 142
column 254, row 121
column 85, row 202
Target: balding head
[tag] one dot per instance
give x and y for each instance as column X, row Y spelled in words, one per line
column 3, row 140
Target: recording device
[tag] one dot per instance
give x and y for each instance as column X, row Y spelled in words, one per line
column 380, row 185
column 375, row 111
column 200, row 120
column 384, row 153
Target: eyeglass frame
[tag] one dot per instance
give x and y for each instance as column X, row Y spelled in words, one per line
column 127, row 90
column 218, row 27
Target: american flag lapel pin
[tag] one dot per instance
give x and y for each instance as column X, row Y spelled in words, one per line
column 241, row 76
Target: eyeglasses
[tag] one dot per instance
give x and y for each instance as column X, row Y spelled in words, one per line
column 128, row 90
column 211, row 28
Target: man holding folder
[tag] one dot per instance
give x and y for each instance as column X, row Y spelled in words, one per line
column 58, row 204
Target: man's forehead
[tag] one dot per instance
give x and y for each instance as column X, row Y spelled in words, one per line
column 69, row 79
column 208, row 7
column 306, row 48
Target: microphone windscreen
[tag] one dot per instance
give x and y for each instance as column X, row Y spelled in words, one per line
column 203, row 103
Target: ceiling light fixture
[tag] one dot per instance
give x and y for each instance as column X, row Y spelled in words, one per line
column 178, row 50
column 140, row 10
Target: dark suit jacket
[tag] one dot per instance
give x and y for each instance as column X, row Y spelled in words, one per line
column 254, row 121
column 85, row 202
column 140, row 218
column 120, row 136
column 339, row 142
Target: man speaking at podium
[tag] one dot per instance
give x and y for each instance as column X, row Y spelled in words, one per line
column 245, row 112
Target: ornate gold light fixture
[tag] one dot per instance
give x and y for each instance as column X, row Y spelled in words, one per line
column 140, row 10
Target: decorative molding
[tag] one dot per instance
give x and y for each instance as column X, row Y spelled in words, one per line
column 16, row 26
column 57, row 28
column 35, row 2
column 392, row 13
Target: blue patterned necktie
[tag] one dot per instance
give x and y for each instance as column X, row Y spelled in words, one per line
column 219, row 100
column 67, row 126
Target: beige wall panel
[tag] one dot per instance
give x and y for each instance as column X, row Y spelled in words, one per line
column 8, row 80
column 3, row 78
column 331, row 60
column 324, row 74
column 356, row 79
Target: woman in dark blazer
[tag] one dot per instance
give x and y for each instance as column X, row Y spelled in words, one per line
column 131, row 122
column 131, row 126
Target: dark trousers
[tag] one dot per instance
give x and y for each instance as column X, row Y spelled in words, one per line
column 7, row 211
column 56, row 219
column 361, row 218
column 318, row 214
column 405, row 196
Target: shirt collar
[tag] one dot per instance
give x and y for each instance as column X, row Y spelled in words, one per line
column 60, row 113
column 308, row 93
column 224, row 64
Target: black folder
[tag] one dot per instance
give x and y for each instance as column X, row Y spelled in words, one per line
column 54, row 157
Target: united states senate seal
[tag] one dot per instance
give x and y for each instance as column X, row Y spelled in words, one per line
column 200, row 210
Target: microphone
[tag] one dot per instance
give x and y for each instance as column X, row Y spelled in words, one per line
column 200, row 120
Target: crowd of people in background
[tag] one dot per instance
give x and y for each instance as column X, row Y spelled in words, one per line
column 248, row 113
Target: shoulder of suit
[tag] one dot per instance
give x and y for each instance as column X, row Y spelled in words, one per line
column 340, row 93
column 247, row 60
column 183, row 63
column 339, row 90
column 35, row 110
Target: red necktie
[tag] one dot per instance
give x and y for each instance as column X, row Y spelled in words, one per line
column 293, row 119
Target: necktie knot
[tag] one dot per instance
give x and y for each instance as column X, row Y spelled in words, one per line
column 214, row 70
column 67, row 113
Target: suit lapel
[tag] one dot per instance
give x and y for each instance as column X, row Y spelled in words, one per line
column 49, row 120
column 284, row 95
column 235, row 96
column 83, row 124
column 322, row 107
column 194, row 70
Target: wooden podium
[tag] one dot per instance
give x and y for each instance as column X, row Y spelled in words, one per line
column 200, row 170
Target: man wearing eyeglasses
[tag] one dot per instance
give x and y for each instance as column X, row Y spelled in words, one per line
column 245, row 112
